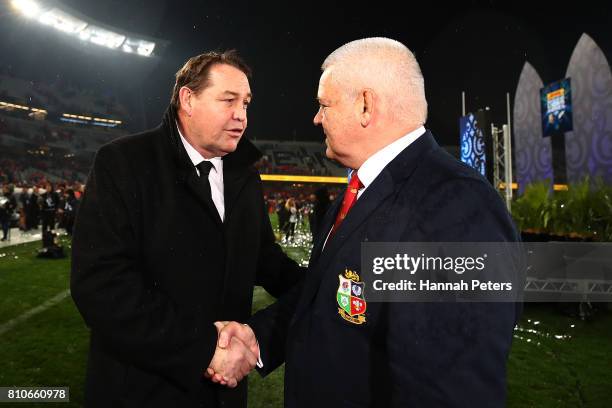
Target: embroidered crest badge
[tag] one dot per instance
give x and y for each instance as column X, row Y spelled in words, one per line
column 350, row 298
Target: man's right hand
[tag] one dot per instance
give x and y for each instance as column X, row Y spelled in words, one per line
column 236, row 354
column 228, row 330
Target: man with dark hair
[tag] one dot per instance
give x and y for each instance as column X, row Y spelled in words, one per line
column 171, row 236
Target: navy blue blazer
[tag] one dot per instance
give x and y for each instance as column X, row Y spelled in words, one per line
column 406, row 354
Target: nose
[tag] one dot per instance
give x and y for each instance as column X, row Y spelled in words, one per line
column 240, row 113
column 317, row 118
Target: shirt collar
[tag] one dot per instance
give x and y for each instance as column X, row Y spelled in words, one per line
column 196, row 157
column 372, row 167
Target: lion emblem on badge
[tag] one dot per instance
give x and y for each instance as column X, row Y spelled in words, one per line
column 350, row 297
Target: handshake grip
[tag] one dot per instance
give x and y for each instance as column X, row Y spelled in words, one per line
column 236, row 354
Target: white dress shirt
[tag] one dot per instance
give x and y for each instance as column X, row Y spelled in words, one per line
column 371, row 168
column 215, row 177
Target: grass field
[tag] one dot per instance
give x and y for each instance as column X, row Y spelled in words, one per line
column 556, row 360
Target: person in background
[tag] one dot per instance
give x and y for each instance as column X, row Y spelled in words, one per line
column 8, row 204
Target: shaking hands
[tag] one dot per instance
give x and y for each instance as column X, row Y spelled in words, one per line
column 236, row 354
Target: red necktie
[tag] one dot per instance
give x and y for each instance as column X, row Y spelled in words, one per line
column 350, row 198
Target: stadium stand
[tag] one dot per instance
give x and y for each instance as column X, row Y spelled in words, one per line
column 299, row 158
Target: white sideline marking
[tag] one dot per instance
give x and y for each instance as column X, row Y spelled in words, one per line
column 38, row 309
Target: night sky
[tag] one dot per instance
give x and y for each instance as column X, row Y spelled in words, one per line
column 478, row 47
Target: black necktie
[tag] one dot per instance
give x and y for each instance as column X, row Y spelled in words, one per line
column 204, row 169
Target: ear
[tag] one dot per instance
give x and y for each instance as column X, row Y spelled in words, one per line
column 367, row 106
column 185, row 99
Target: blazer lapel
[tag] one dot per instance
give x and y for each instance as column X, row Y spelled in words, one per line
column 236, row 171
column 369, row 201
column 235, row 166
column 195, row 186
column 375, row 195
column 233, row 181
column 324, row 229
column 399, row 169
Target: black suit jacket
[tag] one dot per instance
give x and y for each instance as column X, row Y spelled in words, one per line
column 407, row 354
column 153, row 267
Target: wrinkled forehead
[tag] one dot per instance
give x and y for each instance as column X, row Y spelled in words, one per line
column 326, row 76
column 325, row 84
column 225, row 78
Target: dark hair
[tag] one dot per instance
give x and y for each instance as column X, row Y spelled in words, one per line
column 195, row 73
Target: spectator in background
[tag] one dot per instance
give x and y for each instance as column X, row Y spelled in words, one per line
column 31, row 209
column 8, row 204
column 71, row 205
column 24, row 199
column 292, row 210
column 49, row 201
column 283, row 217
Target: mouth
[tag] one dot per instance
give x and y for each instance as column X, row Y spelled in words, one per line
column 235, row 132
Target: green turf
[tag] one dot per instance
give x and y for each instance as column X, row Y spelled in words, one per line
column 268, row 392
column 265, row 392
column 49, row 349
column 561, row 365
column 27, row 281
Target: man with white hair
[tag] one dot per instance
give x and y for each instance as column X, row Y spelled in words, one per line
column 403, row 188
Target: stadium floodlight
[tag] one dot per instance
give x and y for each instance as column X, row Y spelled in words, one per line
column 145, row 48
column 106, row 38
column 84, row 35
column 62, row 21
column 83, row 28
column 28, row 8
column 141, row 47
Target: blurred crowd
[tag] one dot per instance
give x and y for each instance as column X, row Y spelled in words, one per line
column 46, row 206
column 298, row 213
column 27, row 171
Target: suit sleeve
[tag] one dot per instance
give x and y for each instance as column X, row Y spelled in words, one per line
column 282, row 277
column 450, row 353
column 138, row 323
column 271, row 327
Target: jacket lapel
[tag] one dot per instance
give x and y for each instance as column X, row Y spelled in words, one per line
column 235, row 168
column 370, row 200
column 326, row 225
column 195, row 186
column 375, row 195
column 233, row 181
column 236, row 171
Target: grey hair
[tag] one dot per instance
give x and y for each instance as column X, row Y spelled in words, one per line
column 386, row 66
